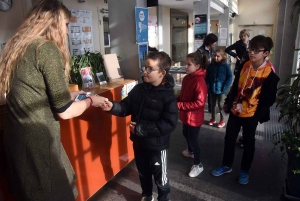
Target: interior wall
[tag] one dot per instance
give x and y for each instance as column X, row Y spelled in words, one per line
column 191, row 33
column 15, row 15
column 213, row 27
column 95, row 6
column 164, row 26
column 20, row 8
column 260, row 13
column 153, row 27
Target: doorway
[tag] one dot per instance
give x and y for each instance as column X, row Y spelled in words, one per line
column 179, row 37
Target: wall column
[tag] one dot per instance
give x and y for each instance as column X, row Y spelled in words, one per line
column 224, row 23
column 200, row 8
column 285, row 40
column 123, row 35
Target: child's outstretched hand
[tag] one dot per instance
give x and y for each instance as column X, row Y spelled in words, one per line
column 132, row 127
column 107, row 105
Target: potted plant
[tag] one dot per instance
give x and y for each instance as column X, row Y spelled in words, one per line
column 88, row 59
column 288, row 104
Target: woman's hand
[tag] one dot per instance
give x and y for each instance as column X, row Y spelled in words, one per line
column 75, row 94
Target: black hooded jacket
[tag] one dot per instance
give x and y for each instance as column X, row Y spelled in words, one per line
column 154, row 109
column 240, row 48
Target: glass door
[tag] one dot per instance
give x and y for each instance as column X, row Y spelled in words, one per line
column 179, row 37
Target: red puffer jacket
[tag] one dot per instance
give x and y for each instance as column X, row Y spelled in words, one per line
column 192, row 98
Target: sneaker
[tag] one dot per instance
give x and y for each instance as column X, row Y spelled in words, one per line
column 221, row 170
column 221, row 124
column 244, row 177
column 147, row 198
column 186, row 153
column 196, row 170
column 212, row 122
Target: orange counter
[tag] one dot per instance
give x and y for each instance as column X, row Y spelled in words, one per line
column 97, row 143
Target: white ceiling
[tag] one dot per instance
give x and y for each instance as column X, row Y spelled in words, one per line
column 186, row 6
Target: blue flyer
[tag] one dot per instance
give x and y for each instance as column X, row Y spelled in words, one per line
column 200, row 27
column 141, row 24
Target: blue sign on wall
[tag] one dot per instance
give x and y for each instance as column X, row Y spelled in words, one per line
column 141, row 24
column 200, row 26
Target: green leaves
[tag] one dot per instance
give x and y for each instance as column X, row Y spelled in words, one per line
column 92, row 59
column 288, row 103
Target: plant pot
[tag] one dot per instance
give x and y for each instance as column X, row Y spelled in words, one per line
column 287, row 195
column 293, row 180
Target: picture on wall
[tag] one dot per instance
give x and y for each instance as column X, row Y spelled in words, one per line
column 80, row 37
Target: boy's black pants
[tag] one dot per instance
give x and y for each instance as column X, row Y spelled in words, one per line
column 151, row 162
column 234, row 124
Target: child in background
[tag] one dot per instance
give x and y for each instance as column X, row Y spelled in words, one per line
column 218, row 80
column 191, row 104
column 154, row 115
column 252, row 94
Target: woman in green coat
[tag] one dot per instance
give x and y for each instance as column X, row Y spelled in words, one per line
column 34, row 69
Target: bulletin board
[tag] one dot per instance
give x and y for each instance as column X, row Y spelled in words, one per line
column 80, row 32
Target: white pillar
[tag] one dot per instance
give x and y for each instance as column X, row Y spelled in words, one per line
column 224, row 24
column 200, row 8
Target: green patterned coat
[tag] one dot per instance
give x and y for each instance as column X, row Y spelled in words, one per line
column 39, row 169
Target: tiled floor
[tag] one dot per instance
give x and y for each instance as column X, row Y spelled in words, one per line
column 266, row 176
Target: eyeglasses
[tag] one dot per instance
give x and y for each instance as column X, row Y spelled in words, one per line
column 149, row 69
column 255, row 51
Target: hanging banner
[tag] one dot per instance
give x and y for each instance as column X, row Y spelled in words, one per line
column 141, row 24
column 200, row 27
column 80, row 32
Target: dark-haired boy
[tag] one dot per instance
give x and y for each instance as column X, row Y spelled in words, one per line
column 154, row 114
column 252, row 94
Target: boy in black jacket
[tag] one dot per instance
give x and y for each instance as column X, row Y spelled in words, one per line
column 154, row 114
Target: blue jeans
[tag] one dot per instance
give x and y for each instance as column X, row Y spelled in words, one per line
column 191, row 134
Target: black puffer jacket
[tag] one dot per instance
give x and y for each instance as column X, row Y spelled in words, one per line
column 154, row 109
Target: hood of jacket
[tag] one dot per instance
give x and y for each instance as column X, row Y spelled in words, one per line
column 200, row 72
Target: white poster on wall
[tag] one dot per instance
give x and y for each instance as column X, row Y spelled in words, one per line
column 80, row 32
column 223, row 33
column 152, row 30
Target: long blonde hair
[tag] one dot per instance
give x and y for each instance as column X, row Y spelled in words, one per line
column 44, row 21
